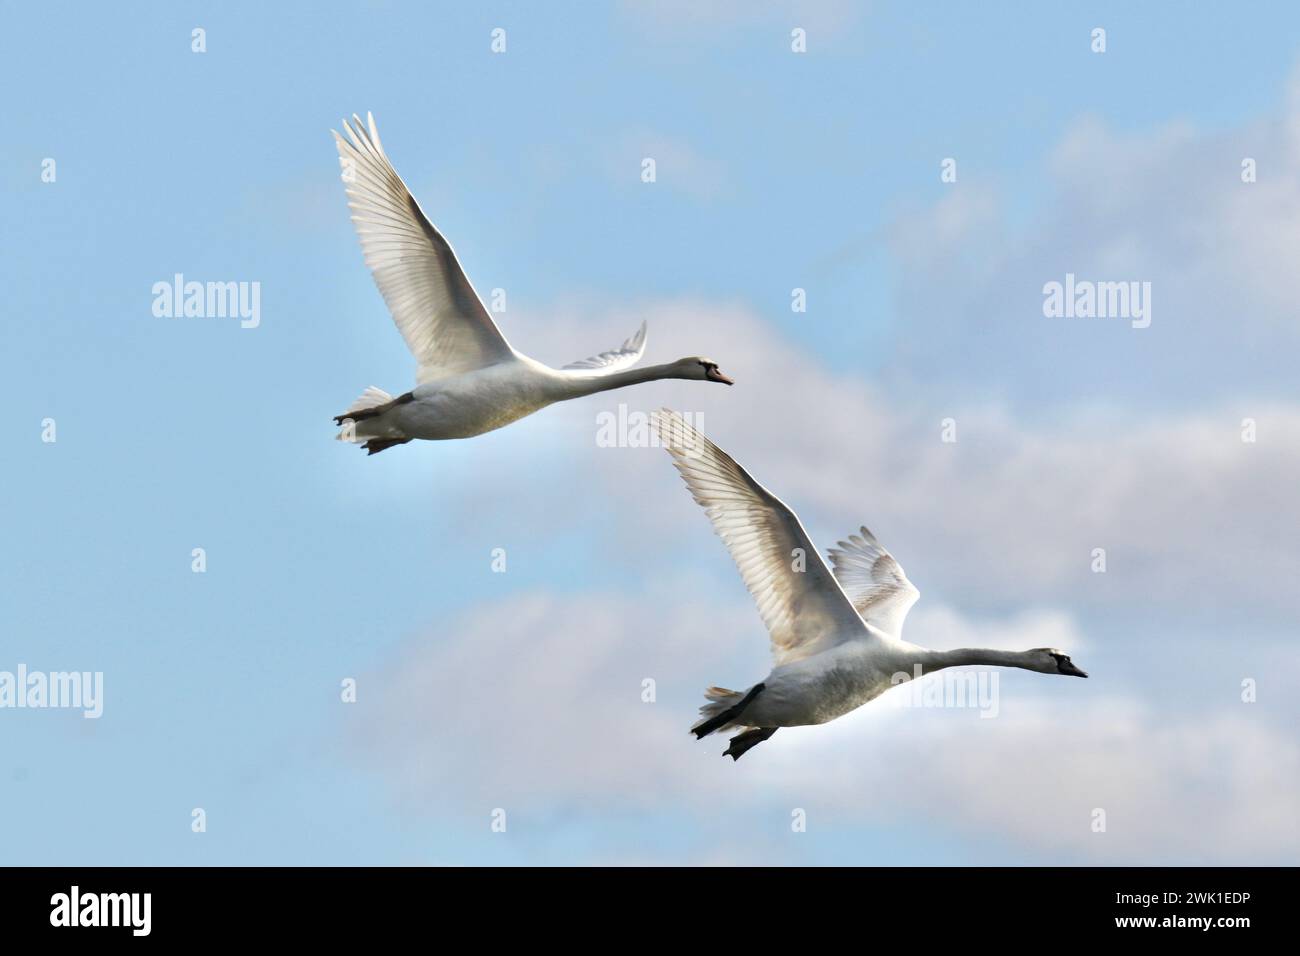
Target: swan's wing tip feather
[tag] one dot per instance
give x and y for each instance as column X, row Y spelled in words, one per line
column 804, row 611
column 614, row 360
column 874, row 581
column 432, row 302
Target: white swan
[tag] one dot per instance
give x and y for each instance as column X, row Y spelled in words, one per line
column 835, row 635
column 470, row 380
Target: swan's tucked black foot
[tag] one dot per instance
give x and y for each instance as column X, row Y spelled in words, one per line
column 750, row 738
column 379, row 444
column 731, row 713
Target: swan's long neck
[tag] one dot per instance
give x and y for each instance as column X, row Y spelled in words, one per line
column 590, row 384
column 965, row 656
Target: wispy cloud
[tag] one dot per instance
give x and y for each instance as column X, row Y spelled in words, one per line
column 1168, row 205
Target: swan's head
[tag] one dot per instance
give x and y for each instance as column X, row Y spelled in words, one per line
column 705, row 370
column 1049, row 660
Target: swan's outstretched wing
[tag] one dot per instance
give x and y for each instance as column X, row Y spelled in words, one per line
column 627, row 354
column 802, row 605
column 433, row 304
column 874, row 581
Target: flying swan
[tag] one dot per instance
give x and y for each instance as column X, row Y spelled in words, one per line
column 836, row 635
column 470, row 380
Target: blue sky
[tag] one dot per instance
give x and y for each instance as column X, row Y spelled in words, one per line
column 775, row 170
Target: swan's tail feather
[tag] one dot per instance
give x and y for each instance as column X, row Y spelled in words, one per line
column 724, row 707
column 366, row 405
column 372, row 403
column 359, row 423
column 741, row 743
column 720, row 699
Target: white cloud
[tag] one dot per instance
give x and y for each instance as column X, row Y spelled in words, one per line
column 534, row 704
column 1007, row 517
column 1221, row 788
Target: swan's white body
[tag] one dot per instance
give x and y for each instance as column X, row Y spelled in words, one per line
column 468, row 404
column 830, row 684
column 836, row 634
column 470, row 379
